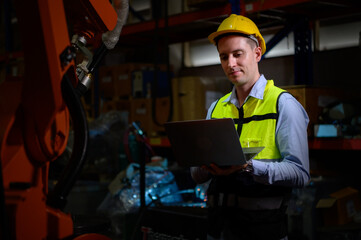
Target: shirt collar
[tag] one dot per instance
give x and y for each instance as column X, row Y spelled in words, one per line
column 257, row 91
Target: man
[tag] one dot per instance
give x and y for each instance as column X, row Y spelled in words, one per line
column 250, row 201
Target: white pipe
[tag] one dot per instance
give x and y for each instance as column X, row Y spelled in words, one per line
column 111, row 38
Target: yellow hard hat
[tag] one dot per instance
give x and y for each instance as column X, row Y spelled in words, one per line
column 239, row 24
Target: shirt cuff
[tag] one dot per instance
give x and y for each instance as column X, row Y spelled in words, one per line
column 259, row 168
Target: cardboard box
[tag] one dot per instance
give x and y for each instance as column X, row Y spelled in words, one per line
column 340, row 207
column 122, row 80
column 143, row 84
column 193, row 95
column 314, row 99
column 119, row 105
column 106, row 82
column 162, row 111
column 142, row 111
column 116, row 81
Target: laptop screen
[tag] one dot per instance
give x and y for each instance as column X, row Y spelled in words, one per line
column 202, row 142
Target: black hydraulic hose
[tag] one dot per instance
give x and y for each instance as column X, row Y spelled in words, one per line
column 57, row 198
column 98, row 57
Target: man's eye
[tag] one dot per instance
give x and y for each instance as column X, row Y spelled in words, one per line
column 236, row 55
column 223, row 58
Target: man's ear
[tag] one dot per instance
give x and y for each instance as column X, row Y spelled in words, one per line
column 258, row 52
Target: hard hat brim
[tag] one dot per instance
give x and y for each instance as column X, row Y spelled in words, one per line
column 214, row 35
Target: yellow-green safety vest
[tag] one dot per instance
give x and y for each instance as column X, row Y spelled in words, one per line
column 255, row 121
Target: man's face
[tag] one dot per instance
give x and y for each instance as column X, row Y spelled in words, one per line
column 239, row 59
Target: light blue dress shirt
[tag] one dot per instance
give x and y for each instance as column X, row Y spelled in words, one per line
column 291, row 139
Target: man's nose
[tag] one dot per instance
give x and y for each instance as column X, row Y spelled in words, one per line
column 232, row 62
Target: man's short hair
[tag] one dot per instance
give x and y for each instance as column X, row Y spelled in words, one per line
column 252, row 40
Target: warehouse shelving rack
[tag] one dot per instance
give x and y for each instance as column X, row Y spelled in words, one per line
column 270, row 15
column 266, row 13
column 198, row 24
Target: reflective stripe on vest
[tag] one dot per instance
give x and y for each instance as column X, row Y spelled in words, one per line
column 255, row 121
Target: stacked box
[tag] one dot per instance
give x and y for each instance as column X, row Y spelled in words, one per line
column 116, row 82
column 144, row 84
column 119, row 105
column 313, row 98
column 340, row 207
column 106, row 82
column 193, row 96
column 140, row 110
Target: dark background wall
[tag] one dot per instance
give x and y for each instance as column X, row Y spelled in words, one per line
column 339, row 68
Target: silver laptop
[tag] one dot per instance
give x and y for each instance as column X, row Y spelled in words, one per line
column 202, row 142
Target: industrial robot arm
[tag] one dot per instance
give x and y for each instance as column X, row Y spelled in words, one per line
column 85, row 75
column 35, row 113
